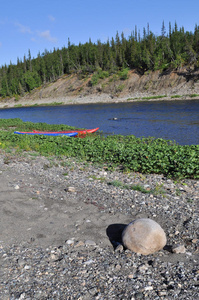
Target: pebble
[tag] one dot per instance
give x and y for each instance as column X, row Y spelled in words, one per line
column 70, row 242
column 71, row 189
column 90, row 243
column 178, row 249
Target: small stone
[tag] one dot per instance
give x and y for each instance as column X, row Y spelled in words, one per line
column 71, row 189
column 90, row 243
column 119, row 248
column 22, row 296
column 143, row 268
column 70, row 242
column 148, row 288
column 139, row 295
column 162, row 293
column 178, row 249
column 144, row 236
column 16, row 187
column 21, row 262
column 27, row 267
column 118, row 267
column 194, row 241
column 79, row 244
column 88, row 262
column 53, row 257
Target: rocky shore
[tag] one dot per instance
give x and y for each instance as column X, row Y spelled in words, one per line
column 90, row 99
column 61, row 223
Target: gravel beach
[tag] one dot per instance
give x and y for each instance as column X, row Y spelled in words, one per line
column 61, row 224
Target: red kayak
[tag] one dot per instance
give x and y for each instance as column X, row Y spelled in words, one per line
column 84, row 131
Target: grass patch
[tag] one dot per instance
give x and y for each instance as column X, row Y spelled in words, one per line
column 137, row 187
column 48, row 104
column 154, row 97
column 102, row 179
column 176, row 96
column 194, row 95
column 18, row 105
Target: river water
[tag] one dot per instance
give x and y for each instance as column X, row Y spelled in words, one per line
column 173, row 120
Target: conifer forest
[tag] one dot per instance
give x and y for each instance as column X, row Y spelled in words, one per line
column 143, row 52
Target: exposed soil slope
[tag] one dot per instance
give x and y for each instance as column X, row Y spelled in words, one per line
column 76, row 88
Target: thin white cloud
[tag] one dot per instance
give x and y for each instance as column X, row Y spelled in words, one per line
column 47, row 36
column 23, row 29
column 51, row 18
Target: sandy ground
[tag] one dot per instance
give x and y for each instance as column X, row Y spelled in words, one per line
column 39, row 210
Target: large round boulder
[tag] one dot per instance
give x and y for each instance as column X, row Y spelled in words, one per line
column 144, row 236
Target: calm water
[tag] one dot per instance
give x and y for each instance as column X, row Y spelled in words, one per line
column 174, row 120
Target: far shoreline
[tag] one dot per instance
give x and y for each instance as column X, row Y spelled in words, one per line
column 89, row 99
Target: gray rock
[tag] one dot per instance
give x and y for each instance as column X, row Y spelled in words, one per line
column 178, row 249
column 144, row 236
column 90, row 243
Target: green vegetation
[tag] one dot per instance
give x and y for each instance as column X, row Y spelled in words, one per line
column 137, row 187
column 99, row 74
column 146, row 155
column 47, row 104
column 154, row 97
column 194, row 95
column 123, row 74
column 176, row 96
column 118, row 55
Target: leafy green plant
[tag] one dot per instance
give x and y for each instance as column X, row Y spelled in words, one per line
column 143, row 155
column 123, row 74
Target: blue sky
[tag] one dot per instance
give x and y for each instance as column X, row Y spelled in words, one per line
column 40, row 24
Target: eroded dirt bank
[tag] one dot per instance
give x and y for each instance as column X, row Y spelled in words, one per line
column 77, row 89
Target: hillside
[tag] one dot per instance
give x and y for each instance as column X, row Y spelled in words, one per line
column 77, row 88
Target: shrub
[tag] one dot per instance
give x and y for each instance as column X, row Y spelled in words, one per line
column 123, row 74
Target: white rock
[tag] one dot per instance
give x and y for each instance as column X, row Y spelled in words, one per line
column 71, row 189
column 144, row 236
column 88, row 262
column 70, row 242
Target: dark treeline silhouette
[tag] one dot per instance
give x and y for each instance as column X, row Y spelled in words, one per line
column 150, row 52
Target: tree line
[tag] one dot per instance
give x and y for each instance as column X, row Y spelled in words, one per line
column 166, row 51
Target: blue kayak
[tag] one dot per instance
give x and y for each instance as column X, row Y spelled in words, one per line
column 48, row 133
